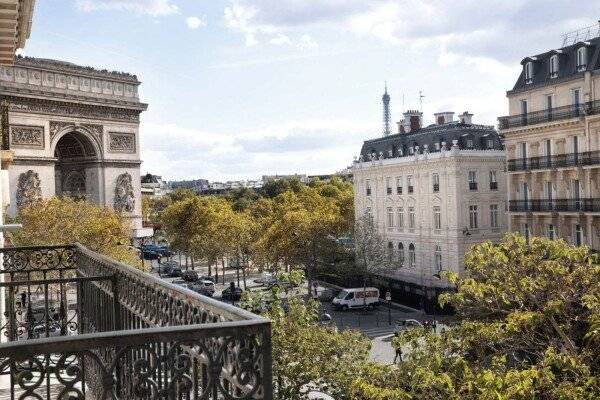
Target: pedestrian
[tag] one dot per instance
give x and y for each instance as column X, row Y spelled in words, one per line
column 398, row 355
column 216, row 277
column 434, row 325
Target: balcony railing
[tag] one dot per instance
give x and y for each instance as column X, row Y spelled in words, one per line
column 554, row 114
column 436, row 187
column 411, row 189
column 472, row 185
column 555, row 205
column 493, row 185
column 80, row 325
column 555, row 161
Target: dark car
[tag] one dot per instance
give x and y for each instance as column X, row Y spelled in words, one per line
column 180, row 282
column 175, row 272
column 230, row 294
column 162, row 250
column 190, row 276
column 204, row 287
column 151, row 255
column 207, row 278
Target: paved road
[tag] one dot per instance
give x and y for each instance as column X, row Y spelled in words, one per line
column 375, row 324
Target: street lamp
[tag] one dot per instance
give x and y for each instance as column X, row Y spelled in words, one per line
column 437, row 275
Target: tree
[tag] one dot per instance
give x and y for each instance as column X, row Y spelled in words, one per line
column 307, row 355
column 241, row 198
column 59, row 221
column 528, row 319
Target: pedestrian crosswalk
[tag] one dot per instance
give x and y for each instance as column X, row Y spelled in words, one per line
column 373, row 331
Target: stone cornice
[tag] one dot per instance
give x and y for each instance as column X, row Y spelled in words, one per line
column 67, row 67
column 449, row 155
column 32, row 105
column 19, row 91
column 53, row 160
column 548, row 126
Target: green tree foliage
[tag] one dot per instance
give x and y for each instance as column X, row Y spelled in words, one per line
column 528, row 330
column 59, row 221
column 241, row 198
column 307, row 355
column 274, row 187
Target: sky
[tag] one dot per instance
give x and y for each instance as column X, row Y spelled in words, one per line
column 238, row 89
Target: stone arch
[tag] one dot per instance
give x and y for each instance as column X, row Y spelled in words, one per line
column 83, row 134
column 77, row 153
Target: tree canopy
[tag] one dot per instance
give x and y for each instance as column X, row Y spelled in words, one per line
column 528, row 329
column 59, row 221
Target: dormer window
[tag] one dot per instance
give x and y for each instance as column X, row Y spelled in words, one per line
column 554, row 66
column 581, row 59
column 529, row 72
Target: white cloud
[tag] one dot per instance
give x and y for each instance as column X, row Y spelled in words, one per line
column 280, row 39
column 306, row 43
column 195, row 22
column 312, row 146
column 150, row 7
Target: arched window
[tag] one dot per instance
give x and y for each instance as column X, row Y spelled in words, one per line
column 438, row 257
column 529, row 72
column 412, row 257
column 390, row 252
column 401, row 254
column 581, row 59
column 554, row 66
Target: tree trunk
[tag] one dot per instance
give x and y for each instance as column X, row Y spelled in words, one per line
column 244, row 277
column 223, row 266
column 192, row 262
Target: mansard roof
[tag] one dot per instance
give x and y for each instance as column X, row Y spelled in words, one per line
column 567, row 65
column 400, row 143
column 68, row 67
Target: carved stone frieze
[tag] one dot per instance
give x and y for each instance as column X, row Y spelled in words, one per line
column 124, row 197
column 28, row 188
column 22, row 104
column 57, row 126
column 122, row 142
column 94, row 128
column 27, row 136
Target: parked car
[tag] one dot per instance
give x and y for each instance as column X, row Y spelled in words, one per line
column 207, row 278
column 39, row 331
column 151, row 255
column 175, row 272
column 327, row 295
column 190, row 276
column 164, row 251
column 204, row 287
column 180, row 282
column 230, row 294
column 266, row 278
column 356, row 298
column 405, row 324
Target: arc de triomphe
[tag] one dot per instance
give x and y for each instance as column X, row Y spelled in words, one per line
column 74, row 132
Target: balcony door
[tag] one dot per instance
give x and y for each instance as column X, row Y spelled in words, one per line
column 525, row 189
column 575, row 194
column 548, row 190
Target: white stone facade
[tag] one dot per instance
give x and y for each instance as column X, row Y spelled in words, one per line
column 77, row 129
column 440, row 242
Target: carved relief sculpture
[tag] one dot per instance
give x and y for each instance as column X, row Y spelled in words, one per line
column 27, row 136
column 28, row 189
column 124, row 196
column 122, row 142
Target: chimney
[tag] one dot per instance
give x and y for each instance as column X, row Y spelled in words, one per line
column 444, row 117
column 466, row 118
column 412, row 121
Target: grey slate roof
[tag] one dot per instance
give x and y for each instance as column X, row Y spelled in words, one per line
column 401, row 142
column 567, row 65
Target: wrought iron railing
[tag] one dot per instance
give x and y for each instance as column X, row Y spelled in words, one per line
column 554, row 161
column 553, row 114
column 120, row 333
column 555, row 205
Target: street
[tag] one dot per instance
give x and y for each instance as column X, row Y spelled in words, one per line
column 374, row 324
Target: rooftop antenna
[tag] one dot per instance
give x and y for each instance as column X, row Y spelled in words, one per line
column 581, row 34
column 421, row 97
column 386, row 112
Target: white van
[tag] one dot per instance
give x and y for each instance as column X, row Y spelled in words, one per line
column 356, row 298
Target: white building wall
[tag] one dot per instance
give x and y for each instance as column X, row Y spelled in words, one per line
column 453, row 198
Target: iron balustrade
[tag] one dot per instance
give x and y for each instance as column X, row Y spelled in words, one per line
column 555, row 205
column 472, row 185
column 554, row 161
column 493, row 185
column 410, row 189
column 553, row 114
column 399, row 190
column 121, row 333
column 436, row 187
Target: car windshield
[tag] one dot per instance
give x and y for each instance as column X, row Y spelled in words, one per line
column 341, row 294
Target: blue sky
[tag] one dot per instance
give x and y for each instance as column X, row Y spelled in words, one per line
column 241, row 88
